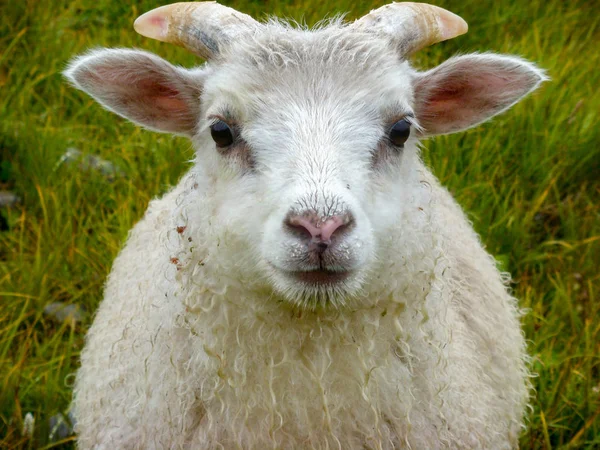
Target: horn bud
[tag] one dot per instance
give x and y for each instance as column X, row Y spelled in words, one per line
column 412, row 26
column 201, row 27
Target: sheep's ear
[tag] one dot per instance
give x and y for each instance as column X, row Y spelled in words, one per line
column 141, row 87
column 467, row 90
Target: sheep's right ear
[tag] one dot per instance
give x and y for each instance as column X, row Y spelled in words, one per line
column 141, row 87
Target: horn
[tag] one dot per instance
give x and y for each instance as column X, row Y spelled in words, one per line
column 201, row 27
column 412, row 26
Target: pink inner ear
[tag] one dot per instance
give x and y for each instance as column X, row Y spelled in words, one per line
column 163, row 96
column 155, row 87
column 173, row 104
column 147, row 87
column 468, row 90
column 145, row 96
column 142, row 88
column 459, row 102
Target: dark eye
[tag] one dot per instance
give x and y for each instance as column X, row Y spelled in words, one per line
column 399, row 132
column 221, row 134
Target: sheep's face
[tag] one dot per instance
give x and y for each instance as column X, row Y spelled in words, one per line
column 307, row 140
column 318, row 141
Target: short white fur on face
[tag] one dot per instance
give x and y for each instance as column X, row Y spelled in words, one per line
column 308, row 283
column 315, row 127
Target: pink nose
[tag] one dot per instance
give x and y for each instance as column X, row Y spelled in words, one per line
column 318, row 229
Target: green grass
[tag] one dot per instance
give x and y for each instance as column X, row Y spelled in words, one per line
column 530, row 180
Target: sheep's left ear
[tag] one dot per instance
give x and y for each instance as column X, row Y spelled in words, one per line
column 467, row 90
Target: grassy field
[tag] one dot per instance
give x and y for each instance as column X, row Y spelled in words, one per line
column 530, row 180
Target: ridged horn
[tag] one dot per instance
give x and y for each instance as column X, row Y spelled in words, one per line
column 201, row 27
column 412, row 26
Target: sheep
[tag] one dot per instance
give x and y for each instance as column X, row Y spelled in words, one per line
column 308, row 283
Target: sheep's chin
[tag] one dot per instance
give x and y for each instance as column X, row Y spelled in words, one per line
column 318, row 290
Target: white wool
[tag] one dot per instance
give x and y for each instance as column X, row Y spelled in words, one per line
column 199, row 344
column 434, row 359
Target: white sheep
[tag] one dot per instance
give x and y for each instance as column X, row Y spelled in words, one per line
column 308, row 283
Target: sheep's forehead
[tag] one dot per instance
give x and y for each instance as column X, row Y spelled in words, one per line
column 331, row 66
column 281, row 44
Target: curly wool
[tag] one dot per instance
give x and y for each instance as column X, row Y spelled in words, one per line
column 190, row 356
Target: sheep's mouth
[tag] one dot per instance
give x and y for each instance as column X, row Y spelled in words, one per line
column 319, row 276
column 309, row 287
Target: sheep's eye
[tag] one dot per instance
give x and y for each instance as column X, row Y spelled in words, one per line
column 399, row 132
column 221, row 134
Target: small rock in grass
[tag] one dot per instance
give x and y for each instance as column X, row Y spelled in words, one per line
column 90, row 162
column 8, row 199
column 28, row 425
column 61, row 427
column 62, row 312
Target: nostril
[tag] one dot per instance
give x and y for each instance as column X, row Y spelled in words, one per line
column 301, row 226
column 317, row 230
column 335, row 225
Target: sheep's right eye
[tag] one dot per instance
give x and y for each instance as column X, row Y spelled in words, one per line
column 399, row 132
column 221, row 134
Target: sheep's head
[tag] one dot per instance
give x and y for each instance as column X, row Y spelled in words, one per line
column 310, row 136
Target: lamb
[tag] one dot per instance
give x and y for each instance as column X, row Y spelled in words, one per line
column 308, row 283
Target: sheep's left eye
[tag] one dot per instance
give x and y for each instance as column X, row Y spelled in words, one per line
column 399, row 132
